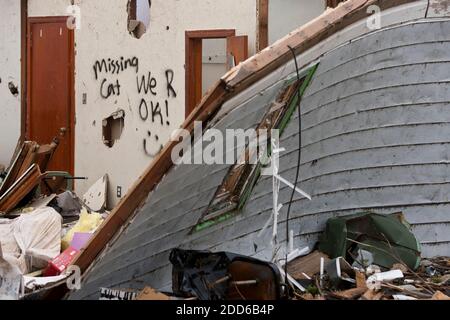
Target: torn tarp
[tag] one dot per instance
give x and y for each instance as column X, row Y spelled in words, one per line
column 386, row 237
column 223, row 276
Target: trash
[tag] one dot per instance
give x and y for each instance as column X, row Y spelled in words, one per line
column 95, row 197
column 431, row 271
column 360, row 279
column 298, row 253
column 38, row 235
column 60, row 263
column 88, row 222
column 364, row 259
column 10, row 279
column 350, row 294
column 35, row 283
column 340, row 272
column 22, row 161
column 372, row 269
column 399, row 266
column 387, row 237
column 27, row 155
column 308, row 265
column 402, row 297
column 149, row 294
column 20, row 189
column 32, row 239
column 223, row 276
column 80, row 239
column 372, row 295
column 440, row 296
column 374, row 281
column 38, row 203
column 292, row 280
column 68, row 204
column 122, row 295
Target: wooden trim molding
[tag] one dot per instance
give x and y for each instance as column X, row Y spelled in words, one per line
column 263, row 24
column 193, row 64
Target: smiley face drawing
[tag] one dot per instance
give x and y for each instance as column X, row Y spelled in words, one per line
column 157, row 150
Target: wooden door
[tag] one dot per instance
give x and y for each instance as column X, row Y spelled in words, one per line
column 50, row 88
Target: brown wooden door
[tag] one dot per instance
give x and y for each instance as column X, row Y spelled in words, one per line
column 50, row 90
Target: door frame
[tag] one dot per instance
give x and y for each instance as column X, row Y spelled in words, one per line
column 71, row 98
column 193, row 64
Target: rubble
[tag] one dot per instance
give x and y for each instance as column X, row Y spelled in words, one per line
column 41, row 219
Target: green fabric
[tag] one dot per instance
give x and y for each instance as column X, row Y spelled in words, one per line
column 387, row 237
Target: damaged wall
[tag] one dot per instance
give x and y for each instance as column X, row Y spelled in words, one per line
column 376, row 137
column 150, row 88
column 9, row 79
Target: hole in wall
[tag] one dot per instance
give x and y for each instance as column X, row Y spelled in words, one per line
column 138, row 17
column 13, row 89
column 113, row 128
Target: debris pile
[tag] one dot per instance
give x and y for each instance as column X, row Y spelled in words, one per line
column 365, row 256
column 43, row 223
column 369, row 257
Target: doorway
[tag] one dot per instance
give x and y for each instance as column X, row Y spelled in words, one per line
column 50, row 88
column 234, row 48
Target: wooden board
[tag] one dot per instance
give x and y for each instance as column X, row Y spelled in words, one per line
column 20, row 189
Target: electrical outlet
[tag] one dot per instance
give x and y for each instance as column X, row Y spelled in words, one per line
column 119, row 192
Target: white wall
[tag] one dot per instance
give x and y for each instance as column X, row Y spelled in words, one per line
column 287, row 15
column 9, row 72
column 214, row 57
column 104, row 35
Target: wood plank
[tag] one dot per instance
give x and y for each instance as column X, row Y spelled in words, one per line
column 20, row 189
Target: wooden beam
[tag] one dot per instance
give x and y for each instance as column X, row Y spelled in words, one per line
column 263, row 24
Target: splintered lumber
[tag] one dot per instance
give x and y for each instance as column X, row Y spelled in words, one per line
column 309, row 265
column 21, row 163
column 151, row 294
column 350, row 294
column 29, row 180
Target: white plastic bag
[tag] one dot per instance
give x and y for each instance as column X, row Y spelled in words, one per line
column 38, row 235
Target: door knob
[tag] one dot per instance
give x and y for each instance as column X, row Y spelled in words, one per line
column 62, row 131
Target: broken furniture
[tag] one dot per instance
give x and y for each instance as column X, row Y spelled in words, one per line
column 223, row 276
column 25, row 174
column 20, row 189
column 27, row 154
